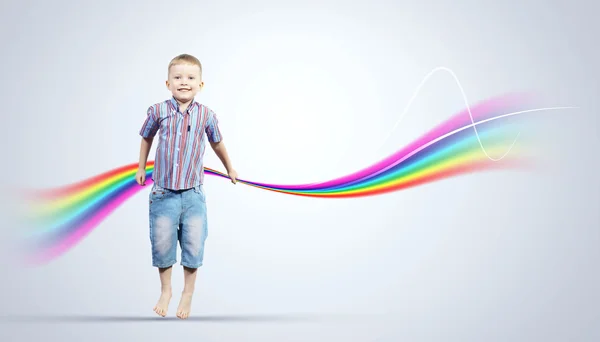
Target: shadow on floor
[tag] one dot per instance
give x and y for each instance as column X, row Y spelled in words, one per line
column 201, row 318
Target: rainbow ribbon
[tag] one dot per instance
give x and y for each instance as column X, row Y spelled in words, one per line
column 62, row 217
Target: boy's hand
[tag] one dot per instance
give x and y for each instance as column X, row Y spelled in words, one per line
column 140, row 177
column 233, row 176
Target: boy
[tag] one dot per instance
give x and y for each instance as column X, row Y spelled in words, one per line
column 177, row 202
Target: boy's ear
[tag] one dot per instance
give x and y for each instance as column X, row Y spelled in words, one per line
column 201, row 85
column 167, row 83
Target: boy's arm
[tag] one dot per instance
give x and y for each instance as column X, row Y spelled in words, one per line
column 144, row 151
column 148, row 131
column 221, row 152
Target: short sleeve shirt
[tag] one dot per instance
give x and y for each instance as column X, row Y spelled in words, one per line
column 181, row 145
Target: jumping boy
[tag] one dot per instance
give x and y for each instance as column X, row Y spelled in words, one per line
column 177, row 203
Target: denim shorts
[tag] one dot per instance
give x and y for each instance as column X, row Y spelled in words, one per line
column 177, row 216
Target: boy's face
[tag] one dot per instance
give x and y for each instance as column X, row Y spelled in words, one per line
column 184, row 81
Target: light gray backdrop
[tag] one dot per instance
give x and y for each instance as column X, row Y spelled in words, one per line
column 307, row 91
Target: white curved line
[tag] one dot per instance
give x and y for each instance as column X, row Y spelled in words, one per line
column 464, row 95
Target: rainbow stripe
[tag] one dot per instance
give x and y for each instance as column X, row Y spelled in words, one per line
column 64, row 216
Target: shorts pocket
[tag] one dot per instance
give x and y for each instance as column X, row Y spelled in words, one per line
column 157, row 193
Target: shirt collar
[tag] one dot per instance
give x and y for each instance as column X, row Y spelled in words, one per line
column 175, row 104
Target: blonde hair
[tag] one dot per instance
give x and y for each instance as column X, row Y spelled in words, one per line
column 185, row 58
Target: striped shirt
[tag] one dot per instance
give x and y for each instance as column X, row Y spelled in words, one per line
column 179, row 155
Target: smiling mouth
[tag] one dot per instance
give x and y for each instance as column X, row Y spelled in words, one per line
column 184, row 89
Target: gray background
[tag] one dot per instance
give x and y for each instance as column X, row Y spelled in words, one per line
column 307, row 91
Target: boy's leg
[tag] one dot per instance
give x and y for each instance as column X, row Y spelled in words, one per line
column 164, row 221
column 192, row 237
column 185, row 303
column 166, row 292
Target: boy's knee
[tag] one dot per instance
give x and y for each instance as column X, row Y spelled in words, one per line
column 163, row 235
column 194, row 237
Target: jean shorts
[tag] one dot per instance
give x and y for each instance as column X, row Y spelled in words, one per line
column 177, row 216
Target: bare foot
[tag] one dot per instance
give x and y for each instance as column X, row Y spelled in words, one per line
column 163, row 303
column 185, row 305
